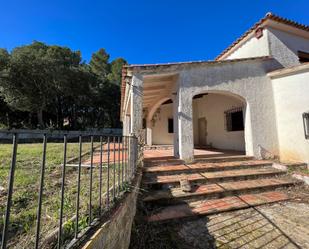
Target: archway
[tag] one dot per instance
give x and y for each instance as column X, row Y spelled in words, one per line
column 159, row 123
column 219, row 121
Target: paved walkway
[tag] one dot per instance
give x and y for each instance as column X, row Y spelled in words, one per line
column 283, row 225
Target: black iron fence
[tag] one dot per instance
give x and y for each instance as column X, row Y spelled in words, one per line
column 52, row 205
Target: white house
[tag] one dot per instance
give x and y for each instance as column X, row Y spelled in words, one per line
column 253, row 97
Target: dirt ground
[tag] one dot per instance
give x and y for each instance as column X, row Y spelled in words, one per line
column 279, row 225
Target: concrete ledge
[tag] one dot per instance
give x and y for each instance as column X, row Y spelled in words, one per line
column 115, row 233
column 304, row 178
column 299, row 176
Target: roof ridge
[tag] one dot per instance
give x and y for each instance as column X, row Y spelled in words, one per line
column 268, row 16
column 196, row 62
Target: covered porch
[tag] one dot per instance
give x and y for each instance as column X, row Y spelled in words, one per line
column 200, row 107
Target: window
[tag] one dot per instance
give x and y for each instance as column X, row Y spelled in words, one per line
column 306, row 124
column 303, row 56
column 144, row 123
column 234, row 119
column 170, row 125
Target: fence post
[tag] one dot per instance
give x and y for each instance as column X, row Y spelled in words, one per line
column 37, row 235
column 10, row 192
column 62, row 191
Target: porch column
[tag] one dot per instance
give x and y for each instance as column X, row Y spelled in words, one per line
column 184, row 126
column 126, row 125
column 136, row 92
column 175, row 121
column 148, row 132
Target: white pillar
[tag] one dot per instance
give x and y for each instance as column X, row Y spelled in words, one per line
column 136, row 105
column 183, row 126
column 248, row 131
column 126, row 125
column 175, row 120
column 148, row 132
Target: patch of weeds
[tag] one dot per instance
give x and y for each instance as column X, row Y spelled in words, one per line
column 22, row 199
column 126, row 187
column 68, row 230
column 154, row 235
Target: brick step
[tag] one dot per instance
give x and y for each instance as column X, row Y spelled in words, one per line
column 218, row 190
column 206, row 167
column 218, row 158
column 162, row 161
column 214, row 206
column 217, row 176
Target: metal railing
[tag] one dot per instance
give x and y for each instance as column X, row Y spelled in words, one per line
column 109, row 164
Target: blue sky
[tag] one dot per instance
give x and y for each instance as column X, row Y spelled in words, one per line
column 140, row 31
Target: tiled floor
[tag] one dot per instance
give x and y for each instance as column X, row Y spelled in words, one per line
column 198, row 153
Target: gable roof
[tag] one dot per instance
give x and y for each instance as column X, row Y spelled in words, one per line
column 268, row 16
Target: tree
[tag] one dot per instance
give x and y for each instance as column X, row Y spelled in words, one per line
column 116, row 71
column 24, row 79
column 52, row 84
column 106, row 92
column 37, row 76
column 99, row 63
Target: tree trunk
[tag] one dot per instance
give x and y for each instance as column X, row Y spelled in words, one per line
column 40, row 118
column 59, row 114
column 8, row 123
column 30, row 120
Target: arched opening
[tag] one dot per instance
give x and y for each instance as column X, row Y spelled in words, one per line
column 219, row 121
column 160, row 122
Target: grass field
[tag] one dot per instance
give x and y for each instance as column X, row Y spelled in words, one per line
column 26, row 188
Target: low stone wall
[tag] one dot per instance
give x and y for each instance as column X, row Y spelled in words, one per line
column 116, row 232
column 37, row 134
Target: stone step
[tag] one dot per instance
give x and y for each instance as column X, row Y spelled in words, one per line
column 208, row 207
column 218, row 190
column 206, row 167
column 296, row 166
column 217, row 176
column 218, row 158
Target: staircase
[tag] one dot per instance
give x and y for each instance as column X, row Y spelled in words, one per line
column 177, row 190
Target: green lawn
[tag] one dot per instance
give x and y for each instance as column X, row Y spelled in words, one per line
column 26, row 187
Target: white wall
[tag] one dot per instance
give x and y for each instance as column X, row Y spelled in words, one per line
column 291, row 96
column 212, row 107
column 246, row 79
column 253, row 47
column 160, row 133
column 284, row 46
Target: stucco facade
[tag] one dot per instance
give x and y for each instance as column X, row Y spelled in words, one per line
column 251, row 47
column 291, row 97
column 241, row 77
column 160, row 134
